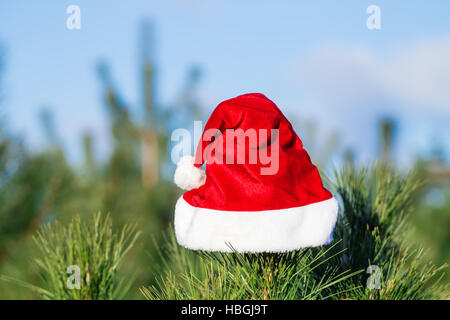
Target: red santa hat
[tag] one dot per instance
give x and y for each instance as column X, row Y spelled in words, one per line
column 258, row 194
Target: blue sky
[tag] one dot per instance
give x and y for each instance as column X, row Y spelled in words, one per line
column 315, row 59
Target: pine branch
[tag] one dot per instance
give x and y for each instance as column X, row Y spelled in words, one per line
column 372, row 227
column 91, row 249
column 208, row 275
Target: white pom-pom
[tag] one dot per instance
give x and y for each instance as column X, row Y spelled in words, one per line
column 187, row 176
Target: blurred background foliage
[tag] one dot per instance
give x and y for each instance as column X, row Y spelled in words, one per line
column 134, row 183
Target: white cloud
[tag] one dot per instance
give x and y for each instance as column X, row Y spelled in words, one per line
column 420, row 75
column 410, row 77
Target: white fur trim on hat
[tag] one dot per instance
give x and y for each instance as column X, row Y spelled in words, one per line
column 187, row 176
column 255, row 231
